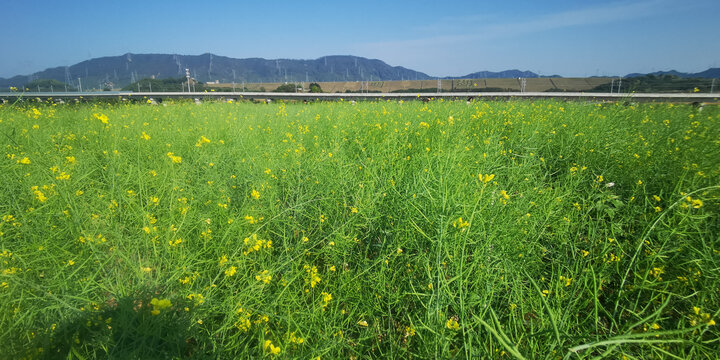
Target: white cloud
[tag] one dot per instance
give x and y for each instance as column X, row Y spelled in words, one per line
column 589, row 16
column 441, row 49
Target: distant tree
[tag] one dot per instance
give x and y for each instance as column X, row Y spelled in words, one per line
column 315, row 88
column 287, row 88
column 160, row 85
column 48, row 85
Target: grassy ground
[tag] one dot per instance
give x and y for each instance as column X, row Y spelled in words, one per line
column 338, row 230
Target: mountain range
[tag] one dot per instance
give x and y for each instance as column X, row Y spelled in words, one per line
column 119, row 71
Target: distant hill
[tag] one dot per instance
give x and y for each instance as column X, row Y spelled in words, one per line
column 119, row 71
column 707, row 74
column 507, row 74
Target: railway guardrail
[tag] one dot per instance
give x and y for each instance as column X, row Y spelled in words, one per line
column 586, row 96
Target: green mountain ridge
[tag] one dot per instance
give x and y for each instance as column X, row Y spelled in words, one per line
column 119, row 71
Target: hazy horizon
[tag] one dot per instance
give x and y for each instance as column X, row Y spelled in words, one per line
column 593, row 38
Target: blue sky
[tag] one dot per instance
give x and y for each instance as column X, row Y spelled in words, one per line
column 568, row 38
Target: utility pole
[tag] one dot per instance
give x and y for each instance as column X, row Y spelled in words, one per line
column 150, row 86
column 612, row 84
column 619, row 84
column 712, row 86
column 79, row 85
column 187, row 75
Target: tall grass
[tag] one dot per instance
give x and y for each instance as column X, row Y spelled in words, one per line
column 381, row 229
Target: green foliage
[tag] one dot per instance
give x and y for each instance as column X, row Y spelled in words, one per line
column 47, row 85
column 658, row 84
column 315, row 88
column 161, row 85
column 385, row 229
column 287, row 88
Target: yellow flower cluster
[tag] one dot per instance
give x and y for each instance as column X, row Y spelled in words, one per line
column 452, row 324
column 694, row 203
column 250, row 219
column 486, row 178
column 159, row 305
column 254, row 244
column 175, row 159
column 102, row 117
column 198, row 299
column 460, row 224
column 312, row 275
column 203, row 140
column 698, row 317
column 255, row 194
column 270, row 348
column 326, row 298
column 264, row 276
column 504, row 197
column 243, row 323
column 231, row 271
column 295, row 339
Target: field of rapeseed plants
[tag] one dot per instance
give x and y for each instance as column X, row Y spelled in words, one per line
column 380, row 229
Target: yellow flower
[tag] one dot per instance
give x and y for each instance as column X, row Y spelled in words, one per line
column 203, row 140
column 102, row 117
column 145, row 136
column 326, row 298
column 409, row 331
column 504, row 194
column 71, row 262
column 40, row 196
column 459, row 223
column 313, row 277
column 231, row 271
column 695, row 203
column 175, row 159
column 24, row 161
column 264, row 276
column 452, row 324
column 159, row 305
column 363, row 323
column 486, row 178
column 270, row 348
column 255, row 194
